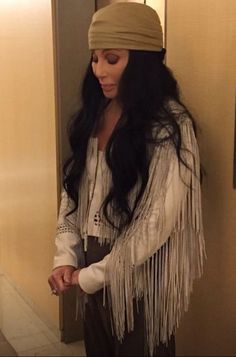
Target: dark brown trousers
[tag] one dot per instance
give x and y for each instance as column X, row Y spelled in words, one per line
column 99, row 340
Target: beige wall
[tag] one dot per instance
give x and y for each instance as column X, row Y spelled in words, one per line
column 28, row 175
column 201, row 37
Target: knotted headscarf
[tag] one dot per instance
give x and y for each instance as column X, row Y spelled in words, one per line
column 126, row 25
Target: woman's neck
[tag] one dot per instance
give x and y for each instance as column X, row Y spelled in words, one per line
column 113, row 109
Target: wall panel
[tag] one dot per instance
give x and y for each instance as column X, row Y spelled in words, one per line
column 200, row 50
column 28, row 174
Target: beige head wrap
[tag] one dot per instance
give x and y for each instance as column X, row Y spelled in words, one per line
column 126, row 25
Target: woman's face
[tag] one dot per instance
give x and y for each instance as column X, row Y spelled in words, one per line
column 108, row 66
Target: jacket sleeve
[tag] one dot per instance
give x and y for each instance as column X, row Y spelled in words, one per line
column 143, row 243
column 67, row 238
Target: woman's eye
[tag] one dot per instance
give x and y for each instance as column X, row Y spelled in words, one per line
column 112, row 59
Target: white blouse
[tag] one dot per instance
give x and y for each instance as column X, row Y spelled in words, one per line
column 94, row 169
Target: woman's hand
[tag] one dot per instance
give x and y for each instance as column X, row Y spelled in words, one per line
column 61, row 279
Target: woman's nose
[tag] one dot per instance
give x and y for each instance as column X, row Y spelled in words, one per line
column 100, row 69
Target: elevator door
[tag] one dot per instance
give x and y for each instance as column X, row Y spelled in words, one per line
column 71, row 19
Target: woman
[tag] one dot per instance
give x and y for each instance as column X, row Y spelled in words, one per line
column 130, row 227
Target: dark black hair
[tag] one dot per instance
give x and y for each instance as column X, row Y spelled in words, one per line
column 145, row 88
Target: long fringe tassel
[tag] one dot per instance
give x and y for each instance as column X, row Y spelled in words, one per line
column 164, row 281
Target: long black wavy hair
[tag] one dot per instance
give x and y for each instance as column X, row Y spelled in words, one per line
column 145, row 88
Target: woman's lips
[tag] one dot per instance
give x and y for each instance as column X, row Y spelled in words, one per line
column 107, row 87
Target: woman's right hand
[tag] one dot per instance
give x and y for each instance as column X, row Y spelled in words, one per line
column 61, row 279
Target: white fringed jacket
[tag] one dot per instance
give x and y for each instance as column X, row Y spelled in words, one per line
column 158, row 256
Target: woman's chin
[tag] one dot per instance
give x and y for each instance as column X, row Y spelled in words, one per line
column 110, row 94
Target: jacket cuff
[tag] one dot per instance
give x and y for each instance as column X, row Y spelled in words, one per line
column 92, row 278
column 67, row 260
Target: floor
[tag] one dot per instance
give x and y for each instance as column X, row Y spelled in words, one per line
column 5, row 348
column 25, row 332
